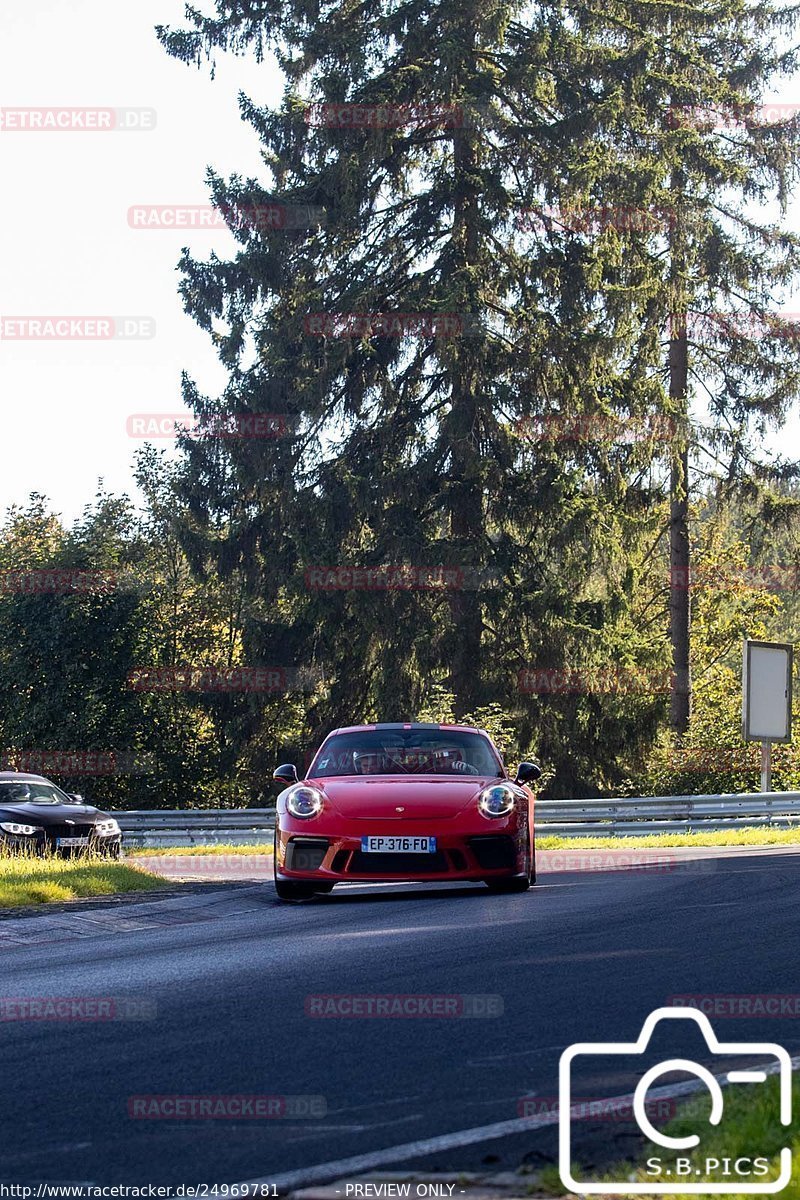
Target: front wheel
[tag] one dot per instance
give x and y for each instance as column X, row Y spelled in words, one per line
column 517, row 883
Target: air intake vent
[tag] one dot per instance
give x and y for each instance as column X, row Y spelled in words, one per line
column 306, row 854
column 494, row 851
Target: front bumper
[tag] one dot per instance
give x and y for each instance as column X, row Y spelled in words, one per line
column 481, row 852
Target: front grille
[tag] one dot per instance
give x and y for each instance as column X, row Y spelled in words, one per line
column 57, row 831
column 493, row 851
column 305, row 854
column 398, row 864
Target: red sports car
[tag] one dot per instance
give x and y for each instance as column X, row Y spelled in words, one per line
column 404, row 802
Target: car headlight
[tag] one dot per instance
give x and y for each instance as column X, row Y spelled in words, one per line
column 304, row 802
column 14, row 827
column 106, row 828
column 497, row 800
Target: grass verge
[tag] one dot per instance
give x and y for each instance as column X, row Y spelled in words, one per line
column 724, row 837
column 221, row 848
column 750, row 1129
column 27, row 881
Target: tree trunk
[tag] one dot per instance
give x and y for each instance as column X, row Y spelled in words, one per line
column 466, row 497
column 679, row 555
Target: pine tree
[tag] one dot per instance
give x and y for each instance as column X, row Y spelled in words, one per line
column 421, row 450
column 700, row 155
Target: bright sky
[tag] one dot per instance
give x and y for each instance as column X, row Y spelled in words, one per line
column 67, row 248
column 66, row 245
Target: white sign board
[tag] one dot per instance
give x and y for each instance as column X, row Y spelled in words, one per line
column 767, row 692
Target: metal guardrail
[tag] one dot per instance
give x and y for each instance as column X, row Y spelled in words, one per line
column 565, row 818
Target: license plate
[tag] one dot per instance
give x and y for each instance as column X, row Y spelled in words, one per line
column 73, row 841
column 398, row 845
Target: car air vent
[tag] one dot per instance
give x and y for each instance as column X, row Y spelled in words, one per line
column 306, row 854
column 493, row 851
column 409, row 865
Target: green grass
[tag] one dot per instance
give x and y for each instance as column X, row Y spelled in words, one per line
column 750, row 1127
column 222, row 848
column 27, row 880
column 732, row 837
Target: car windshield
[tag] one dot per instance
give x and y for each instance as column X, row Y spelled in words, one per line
column 14, row 791
column 406, row 752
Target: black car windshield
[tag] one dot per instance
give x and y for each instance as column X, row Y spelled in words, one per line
column 406, row 752
column 24, row 791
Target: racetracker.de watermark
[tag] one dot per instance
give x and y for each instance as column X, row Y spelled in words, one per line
column 714, row 758
column 426, row 115
column 402, row 577
column 750, row 326
column 591, row 1109
column 595, row 218
column 753, row 1004
column 709, row 118
column 597, row 428
column 567, row 681
column 77, row 120
column 230, row 1107
column 78, row 762
column 255, row 217
column 266, row 426
column 76, row 328
column 268, row 680
column 652, row 862
column 403, row 1006
column 769, row 577
column 51, row 581
column 393, row 325
column 82, row 1009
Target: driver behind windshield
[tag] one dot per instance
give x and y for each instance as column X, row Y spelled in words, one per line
column 402, row 760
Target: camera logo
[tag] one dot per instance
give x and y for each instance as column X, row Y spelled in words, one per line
column 671, row 1172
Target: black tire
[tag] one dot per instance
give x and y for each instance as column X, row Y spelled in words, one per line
column 324, row 889
column 293, row 891
column 516, row 883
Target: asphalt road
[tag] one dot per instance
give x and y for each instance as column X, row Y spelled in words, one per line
column 225, row 975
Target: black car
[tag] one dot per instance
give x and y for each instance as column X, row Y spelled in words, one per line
column 37, row 817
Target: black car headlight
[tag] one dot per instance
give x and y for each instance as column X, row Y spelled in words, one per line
column 304, row 802
column 497, row 800
column 15, row 828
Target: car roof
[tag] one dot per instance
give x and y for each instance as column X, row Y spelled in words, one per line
column 21, row 777
column 408, row 725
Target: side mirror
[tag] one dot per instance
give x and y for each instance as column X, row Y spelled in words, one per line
column 286, row 773
column 528, row 772
column 75, row 796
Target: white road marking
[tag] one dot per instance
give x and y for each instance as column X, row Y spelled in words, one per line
column 359, row 1163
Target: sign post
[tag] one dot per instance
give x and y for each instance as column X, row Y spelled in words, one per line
column 767, row 699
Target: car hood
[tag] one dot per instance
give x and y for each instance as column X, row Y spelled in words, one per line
column 378, row 798
column 50, row 814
